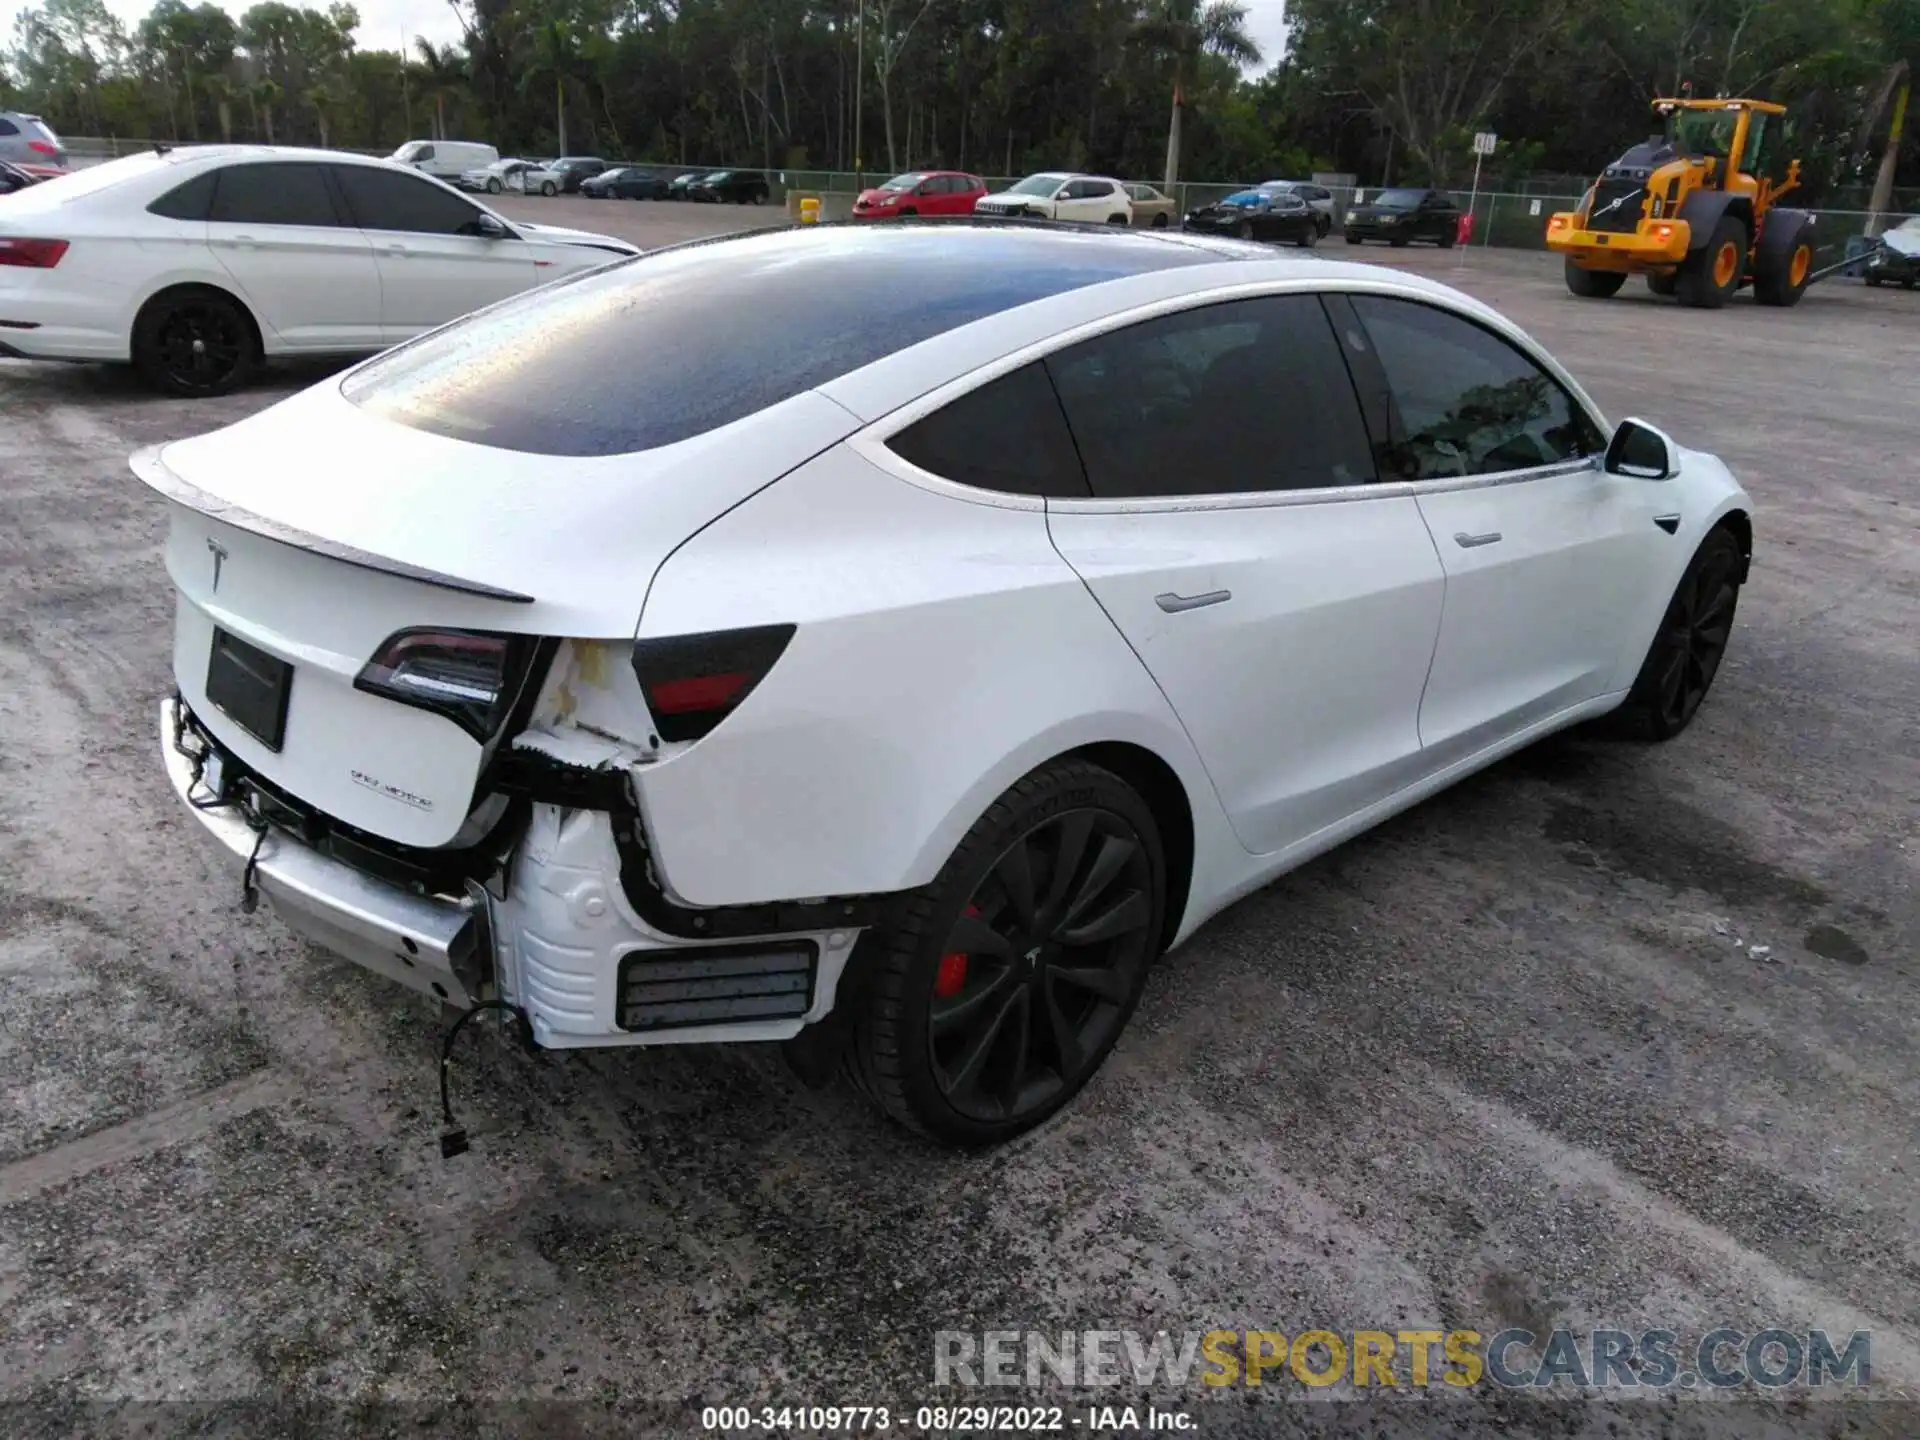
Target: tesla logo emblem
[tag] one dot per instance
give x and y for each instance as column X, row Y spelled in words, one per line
column 219, row 559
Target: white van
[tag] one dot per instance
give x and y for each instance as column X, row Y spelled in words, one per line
column 445, row 159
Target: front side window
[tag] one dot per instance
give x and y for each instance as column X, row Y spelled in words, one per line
column 1009, row 435
column 1249, row 395
column 395, row 200
column 273, row 194
column 1465, row 401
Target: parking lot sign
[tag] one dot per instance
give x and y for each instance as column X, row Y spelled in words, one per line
column 1484, row 142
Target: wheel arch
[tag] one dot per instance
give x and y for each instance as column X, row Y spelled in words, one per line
column 175, row 287
column 1741, row 524
column 1704, row 209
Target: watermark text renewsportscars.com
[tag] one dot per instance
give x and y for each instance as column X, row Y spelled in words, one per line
column 1403, row 1359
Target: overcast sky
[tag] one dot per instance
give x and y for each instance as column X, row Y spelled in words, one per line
column 388, row 24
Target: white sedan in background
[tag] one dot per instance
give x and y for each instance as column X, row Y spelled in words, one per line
column 890, row 639
column 197, row 263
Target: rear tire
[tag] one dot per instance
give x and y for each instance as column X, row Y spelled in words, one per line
column 1687, row 648
column 194, row 342
column 996, row 993
column 1593, row 284
column 1353, row 239
column 1159, row 222
column 1710, row 276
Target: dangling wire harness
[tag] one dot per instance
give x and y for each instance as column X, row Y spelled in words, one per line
column 453, row 1139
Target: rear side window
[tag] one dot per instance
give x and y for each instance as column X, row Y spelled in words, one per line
column 273, row 194
column 1250, row 395
column 7, row 127
column 1008, row 435
column 1466, row 402
column 191, row 201
column 395, row 200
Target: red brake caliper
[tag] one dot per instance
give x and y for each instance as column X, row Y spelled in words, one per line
column 951, row 978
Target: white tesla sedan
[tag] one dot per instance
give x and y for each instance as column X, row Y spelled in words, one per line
column 893, row 638
column 196, row 263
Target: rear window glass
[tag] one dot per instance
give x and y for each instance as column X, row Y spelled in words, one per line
column 658, row 349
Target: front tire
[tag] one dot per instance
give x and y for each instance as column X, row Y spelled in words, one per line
column 995, row 996
column 194, row 342
column 1689, row 645
column 549, row 189
column 493, row 187
column 1709, row 277
column 1593, row 284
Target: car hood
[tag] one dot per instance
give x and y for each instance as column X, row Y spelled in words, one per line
column 578, row 536
column 878, row 197
column 561, row 235
column 1008, row 197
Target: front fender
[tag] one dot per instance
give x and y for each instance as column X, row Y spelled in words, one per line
column 1704, row 209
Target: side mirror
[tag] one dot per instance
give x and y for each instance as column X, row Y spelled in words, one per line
column 491, row 228
column 1640, row 452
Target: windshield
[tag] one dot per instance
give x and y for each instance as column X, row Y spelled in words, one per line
column 718, row 175
column 1700, row 133
column 1246, row 199
column 903, row 182
column 409, row 150
column 1037, row 185
column 1400, row 199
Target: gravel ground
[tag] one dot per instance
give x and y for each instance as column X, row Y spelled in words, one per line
column 1608, row 1035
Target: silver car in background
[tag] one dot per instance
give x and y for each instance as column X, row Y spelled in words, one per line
column 27, row 140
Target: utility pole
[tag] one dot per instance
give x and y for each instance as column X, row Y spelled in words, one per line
column 859, row 83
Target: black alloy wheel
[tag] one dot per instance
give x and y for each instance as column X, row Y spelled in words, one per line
column 194, row 343
column 1003, row 988
column 1692, row 639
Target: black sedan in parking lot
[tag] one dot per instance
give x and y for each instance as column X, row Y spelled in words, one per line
column 681, row 186
column 626, row 183
column 743, row 187
column 575, row 170
column 1401, row 216
column 1258, row 215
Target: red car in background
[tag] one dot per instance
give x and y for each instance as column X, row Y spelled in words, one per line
column 921, row 192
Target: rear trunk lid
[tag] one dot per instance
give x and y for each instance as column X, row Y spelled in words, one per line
column 315, row 531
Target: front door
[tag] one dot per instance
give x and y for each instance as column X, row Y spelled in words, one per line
column 306, row 273
column 1544, row 552
column 1288, row 615
column 435, row 265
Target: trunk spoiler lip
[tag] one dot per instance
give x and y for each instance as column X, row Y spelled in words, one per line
column 152, row 470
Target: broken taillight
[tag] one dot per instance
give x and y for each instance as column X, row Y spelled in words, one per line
column 32, row 254
column 469, row 676
column 693, row 682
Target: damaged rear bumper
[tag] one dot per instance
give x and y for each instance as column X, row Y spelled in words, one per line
column 423, row 942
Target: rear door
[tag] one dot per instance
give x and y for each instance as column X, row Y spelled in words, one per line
column 304, row 270
column 434, row 264
column 1544, row 552
column 1288, row 613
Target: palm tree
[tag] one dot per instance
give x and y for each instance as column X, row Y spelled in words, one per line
column 264, row 97
column 323, row 98
column 219, row 89
column 445, row 74
column 1184, row 30
column 556, row 58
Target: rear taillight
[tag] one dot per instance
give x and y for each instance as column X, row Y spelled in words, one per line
column 469, row 676
column 32, row 254
column 41, row 147
column 693, row 682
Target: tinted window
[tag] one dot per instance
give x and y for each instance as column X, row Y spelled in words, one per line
column 1008, row 435
column 1249, row 395
column 394, row 200
column 7, row 127
column 687, row 339
column 1465, row 401
column 425, row 152
column 191, row 201
column 276, row 194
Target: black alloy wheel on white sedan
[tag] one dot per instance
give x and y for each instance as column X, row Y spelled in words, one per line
column 194, row 341
column 1687, row 649
column 1002, row 988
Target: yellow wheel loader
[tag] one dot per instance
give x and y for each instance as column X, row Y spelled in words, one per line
column 1694, row 210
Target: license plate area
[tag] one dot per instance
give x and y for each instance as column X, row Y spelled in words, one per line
column 249, row 687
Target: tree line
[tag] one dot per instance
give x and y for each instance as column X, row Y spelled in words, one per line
column 1143, row 88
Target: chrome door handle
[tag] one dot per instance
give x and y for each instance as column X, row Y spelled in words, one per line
column 1471, row 542
column 1173, row 604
